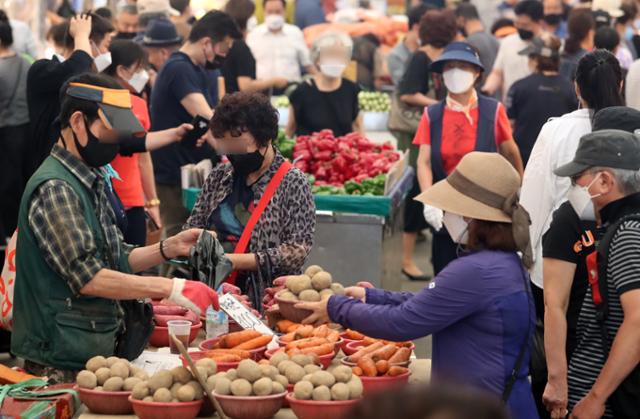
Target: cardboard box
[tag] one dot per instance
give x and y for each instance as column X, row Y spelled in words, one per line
column 49, row 407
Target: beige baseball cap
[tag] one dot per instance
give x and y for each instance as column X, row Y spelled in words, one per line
column 156, row 6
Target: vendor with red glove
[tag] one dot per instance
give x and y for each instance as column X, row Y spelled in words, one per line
column 72, row 266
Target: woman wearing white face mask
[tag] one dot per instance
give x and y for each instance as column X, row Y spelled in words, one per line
column 478, row 309
column 327, row 101
column 462, row 123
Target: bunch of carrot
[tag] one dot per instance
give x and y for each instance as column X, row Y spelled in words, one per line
column 228, row 355
column 245, row 340
column 380, row 359
column 366, row 340
column 307, row 339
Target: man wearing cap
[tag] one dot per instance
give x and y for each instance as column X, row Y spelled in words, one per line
column 542, row 95
column 149, row 10
column 72, row 266
column 448, row 130
column 160, row 41
column 606, row 184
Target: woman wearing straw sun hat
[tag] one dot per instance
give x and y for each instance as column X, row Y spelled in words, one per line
column 479, row 308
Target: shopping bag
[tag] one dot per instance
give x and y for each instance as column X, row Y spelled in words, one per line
column 7, row 282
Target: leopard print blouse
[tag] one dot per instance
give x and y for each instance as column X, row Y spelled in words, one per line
column 284, row 234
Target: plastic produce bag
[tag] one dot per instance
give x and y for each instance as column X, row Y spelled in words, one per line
column 208, row 262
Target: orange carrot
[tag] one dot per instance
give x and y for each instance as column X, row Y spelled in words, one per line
column 396, row 370
column 368, row 367
column 366, row 350
column 305, row 343
column 238, row 352
column 333, row 336
column 284, row 325
column 255, row 343
column 293, row 327
column 232, row 340
column 321, row 331
column 382, row 366
column 11, row 376
column 385, row 352
column 357, row 371
column 353, row 335
column 402, row 355
column 323, row 349
column 224, row 358
column 289, row 337
column 303, row 332
column 369, row 341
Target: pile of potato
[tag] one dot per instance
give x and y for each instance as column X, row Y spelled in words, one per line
column 175, row 385
column 109, row 374
column 294, row 368
column 314, row 285
column 336, row 384
column 249, row 379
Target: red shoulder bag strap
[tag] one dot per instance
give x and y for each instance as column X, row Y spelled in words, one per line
column 270, row 190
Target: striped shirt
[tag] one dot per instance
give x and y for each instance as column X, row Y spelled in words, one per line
column 623, row 274
column 56, row 217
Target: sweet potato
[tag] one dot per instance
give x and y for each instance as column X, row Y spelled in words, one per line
column 255, row 343
column 169, row 310
column 368, row 367
column 366, row 350
column 162, row 319
column 353, row 335
column 396, row 370
column 357, row 371
column 385, row 352
column 303, row 332
column 323, row 349
column 382, row 366
column 401, row 355
column 232, row 340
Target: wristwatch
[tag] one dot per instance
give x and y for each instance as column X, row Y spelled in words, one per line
column 153, row 202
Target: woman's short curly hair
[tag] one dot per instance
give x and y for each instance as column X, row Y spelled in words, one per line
column 246, row 112
column 438, row 28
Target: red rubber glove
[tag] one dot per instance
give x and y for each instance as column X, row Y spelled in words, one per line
column 230, row 289
column 194, row 295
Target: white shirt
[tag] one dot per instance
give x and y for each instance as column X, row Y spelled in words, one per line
column 513, row 66
column 632, row 86
column 23, row 41
column 542, row 191
column 278, row 54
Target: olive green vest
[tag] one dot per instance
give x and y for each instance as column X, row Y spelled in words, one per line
column 51, row 326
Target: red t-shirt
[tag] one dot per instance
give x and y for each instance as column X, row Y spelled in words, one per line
column 459, row 135
column 130, row 188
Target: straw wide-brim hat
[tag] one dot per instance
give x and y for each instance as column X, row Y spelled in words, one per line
column 480, row 171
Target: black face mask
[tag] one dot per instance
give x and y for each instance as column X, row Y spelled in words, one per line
column 463, row 31
column 216, row 64
column 246, row 163
column 95, row 153
column 553, row 20
column 126, row 35
column 525, row 35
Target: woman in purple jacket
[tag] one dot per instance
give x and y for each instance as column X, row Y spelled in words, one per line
column 479, row 308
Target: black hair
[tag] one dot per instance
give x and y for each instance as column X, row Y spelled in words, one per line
column 104, row 12
column 599, row 78
column 100, row 27
column 503, row 22
column 240, row 11
column 579, row 25
column 3, row 16
column 6, row 35
column 629, row 12
column 531, row 8
column 416, row 12
column 467, row 11
column 180, row 5
column 284, row 3
column 57, row 33
column 246, row 112
column 606, row 38
column 216, row 25
column 125, row 53
column 69, row 105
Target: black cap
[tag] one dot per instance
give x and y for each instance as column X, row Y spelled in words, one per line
column 617, row 117
column 161, row 33
column 612, row 148
column 602, row 18
column 537, row 47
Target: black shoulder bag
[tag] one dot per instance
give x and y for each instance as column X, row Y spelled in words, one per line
column 625, row 400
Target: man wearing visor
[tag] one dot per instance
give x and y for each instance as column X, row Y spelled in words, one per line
column 72, row 266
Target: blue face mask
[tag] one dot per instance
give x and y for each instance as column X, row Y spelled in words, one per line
column 629, row 32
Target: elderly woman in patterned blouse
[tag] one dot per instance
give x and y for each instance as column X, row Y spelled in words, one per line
column 243, row 127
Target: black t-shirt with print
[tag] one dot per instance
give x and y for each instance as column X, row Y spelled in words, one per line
column 571, row 239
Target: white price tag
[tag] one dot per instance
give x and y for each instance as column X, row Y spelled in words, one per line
column 245, row 318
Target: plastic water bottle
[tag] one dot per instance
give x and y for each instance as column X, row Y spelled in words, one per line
column 217, row 323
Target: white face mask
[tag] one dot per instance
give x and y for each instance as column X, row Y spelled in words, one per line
column 333, row 69
column 274, row 22
column 580, row 199
column 102, row 61
column 139, row 80
column 458, row 81
column 457, row 227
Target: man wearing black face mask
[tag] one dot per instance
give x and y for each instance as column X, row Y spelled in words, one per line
column 509, row 66
column 183, row 90
column 553, row 18
column 127, row 21
column 72, row 265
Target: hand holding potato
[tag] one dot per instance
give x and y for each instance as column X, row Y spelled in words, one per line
column 320, row 314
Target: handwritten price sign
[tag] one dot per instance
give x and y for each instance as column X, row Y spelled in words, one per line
column 242, row 315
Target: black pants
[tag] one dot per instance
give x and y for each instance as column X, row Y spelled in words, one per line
column 444, row 250
column 538, row 367
column 136, row 231
column 12, row 149
column 414, row 221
